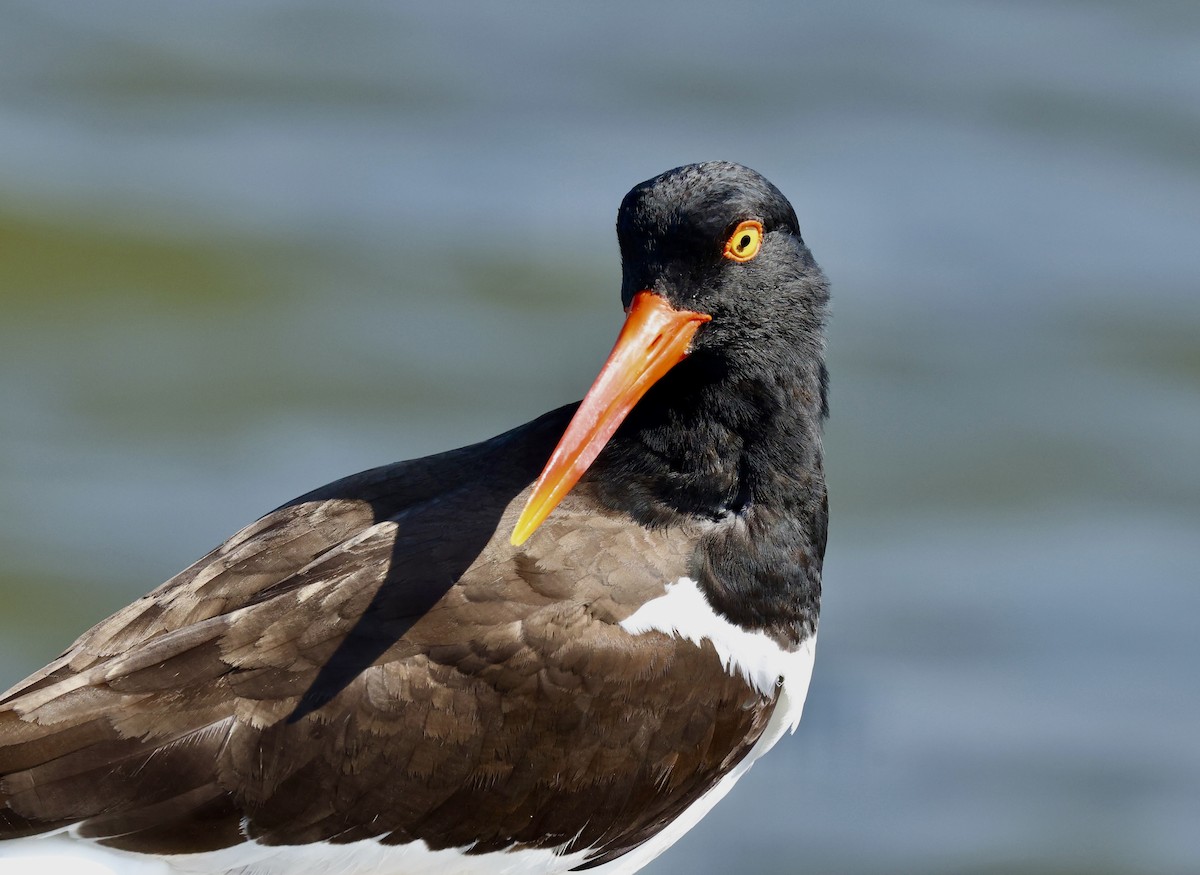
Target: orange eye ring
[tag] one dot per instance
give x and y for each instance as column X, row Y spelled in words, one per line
column 744, row 242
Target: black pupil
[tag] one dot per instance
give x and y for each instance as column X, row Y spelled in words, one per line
column 744, row 242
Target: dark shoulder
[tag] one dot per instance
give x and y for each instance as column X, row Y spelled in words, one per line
column 333, row 525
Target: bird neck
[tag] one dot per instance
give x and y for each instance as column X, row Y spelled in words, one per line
column 736, row 446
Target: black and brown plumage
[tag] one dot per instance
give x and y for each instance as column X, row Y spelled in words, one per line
column 443, row 666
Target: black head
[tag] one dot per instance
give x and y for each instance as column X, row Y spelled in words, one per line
column 674, row 231
column 713, row 394
column 733, row 432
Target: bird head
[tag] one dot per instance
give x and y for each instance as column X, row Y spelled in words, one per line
column 713, row 265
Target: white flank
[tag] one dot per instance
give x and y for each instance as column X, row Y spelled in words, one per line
column 683, row 612
column 65, row 854
column 60, row 853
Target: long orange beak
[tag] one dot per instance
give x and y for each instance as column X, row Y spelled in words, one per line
column 653, row 340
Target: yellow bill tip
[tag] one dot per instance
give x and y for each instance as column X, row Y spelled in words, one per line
column 654, row 339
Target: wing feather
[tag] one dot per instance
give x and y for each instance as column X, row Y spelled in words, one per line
column 444, row 688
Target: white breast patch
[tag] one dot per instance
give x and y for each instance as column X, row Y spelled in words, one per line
column 684, row 612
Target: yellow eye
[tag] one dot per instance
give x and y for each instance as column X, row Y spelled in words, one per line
column 743, row 243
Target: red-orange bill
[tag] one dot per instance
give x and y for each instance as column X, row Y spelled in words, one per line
column 654, row 338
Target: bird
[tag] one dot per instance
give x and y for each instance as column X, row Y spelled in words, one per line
column 551, row 651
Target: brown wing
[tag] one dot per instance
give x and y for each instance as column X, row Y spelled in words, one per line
column 379, row 639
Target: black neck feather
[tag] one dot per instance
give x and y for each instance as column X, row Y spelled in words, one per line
column 736, row 440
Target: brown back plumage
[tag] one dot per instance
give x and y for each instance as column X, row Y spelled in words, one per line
column 380, row 640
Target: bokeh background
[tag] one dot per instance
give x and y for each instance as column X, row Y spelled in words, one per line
column 248, row 247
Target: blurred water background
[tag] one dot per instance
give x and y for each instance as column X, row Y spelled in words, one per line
column 246, row 248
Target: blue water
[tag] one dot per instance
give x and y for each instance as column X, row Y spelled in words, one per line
column 249, row 247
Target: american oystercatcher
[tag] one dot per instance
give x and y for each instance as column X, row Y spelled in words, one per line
column 443, row 666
